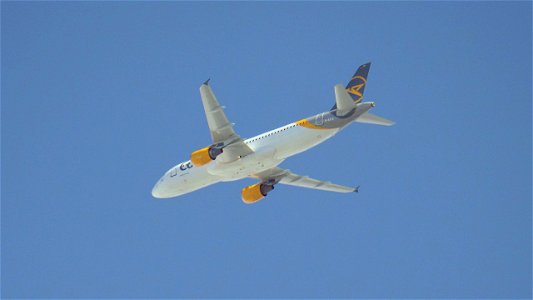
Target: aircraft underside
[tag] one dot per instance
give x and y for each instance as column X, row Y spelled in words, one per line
column 231, row 158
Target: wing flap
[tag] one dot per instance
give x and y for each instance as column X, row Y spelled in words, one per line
column 310, row 183
column 287, row 177
column 220, row 128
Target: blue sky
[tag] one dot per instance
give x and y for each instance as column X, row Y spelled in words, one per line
column 100, row 98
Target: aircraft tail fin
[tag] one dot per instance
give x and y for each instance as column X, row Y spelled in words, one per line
column 356, row 87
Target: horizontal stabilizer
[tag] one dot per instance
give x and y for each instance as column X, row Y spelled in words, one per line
column 343, row 100
column 356, row 86
column 373, row 119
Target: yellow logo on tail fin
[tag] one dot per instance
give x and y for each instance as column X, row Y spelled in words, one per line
column 355, row 90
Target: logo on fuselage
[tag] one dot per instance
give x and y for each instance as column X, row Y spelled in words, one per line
column 185, row 166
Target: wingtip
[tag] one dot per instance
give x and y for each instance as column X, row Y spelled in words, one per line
column 207, row 81
column 356, row 190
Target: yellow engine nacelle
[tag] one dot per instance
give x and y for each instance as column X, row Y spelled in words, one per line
column 205, row 155
column 201, row 157
column 256, row 192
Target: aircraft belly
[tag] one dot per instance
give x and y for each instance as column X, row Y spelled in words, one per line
column 262, row 159
column 270, row 153
column 190, row 180
column 301, row 140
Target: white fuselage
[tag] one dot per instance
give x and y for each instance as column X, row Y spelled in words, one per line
column 270, row 149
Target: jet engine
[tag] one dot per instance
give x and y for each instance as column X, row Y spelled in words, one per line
column 205, row 155
column 256, row 192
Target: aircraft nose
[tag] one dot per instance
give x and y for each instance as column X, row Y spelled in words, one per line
column 156, row 191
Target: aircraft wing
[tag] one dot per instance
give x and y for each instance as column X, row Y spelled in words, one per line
column 283, row 176
column 219, row 126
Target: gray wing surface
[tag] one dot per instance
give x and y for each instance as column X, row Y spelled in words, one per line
column 219, row 126
column 373, row 119
column 287, row 177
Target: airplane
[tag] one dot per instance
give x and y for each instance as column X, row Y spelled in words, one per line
column 230, row 157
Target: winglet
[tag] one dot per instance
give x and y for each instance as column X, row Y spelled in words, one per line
column 356, row 189
column 207, row 81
